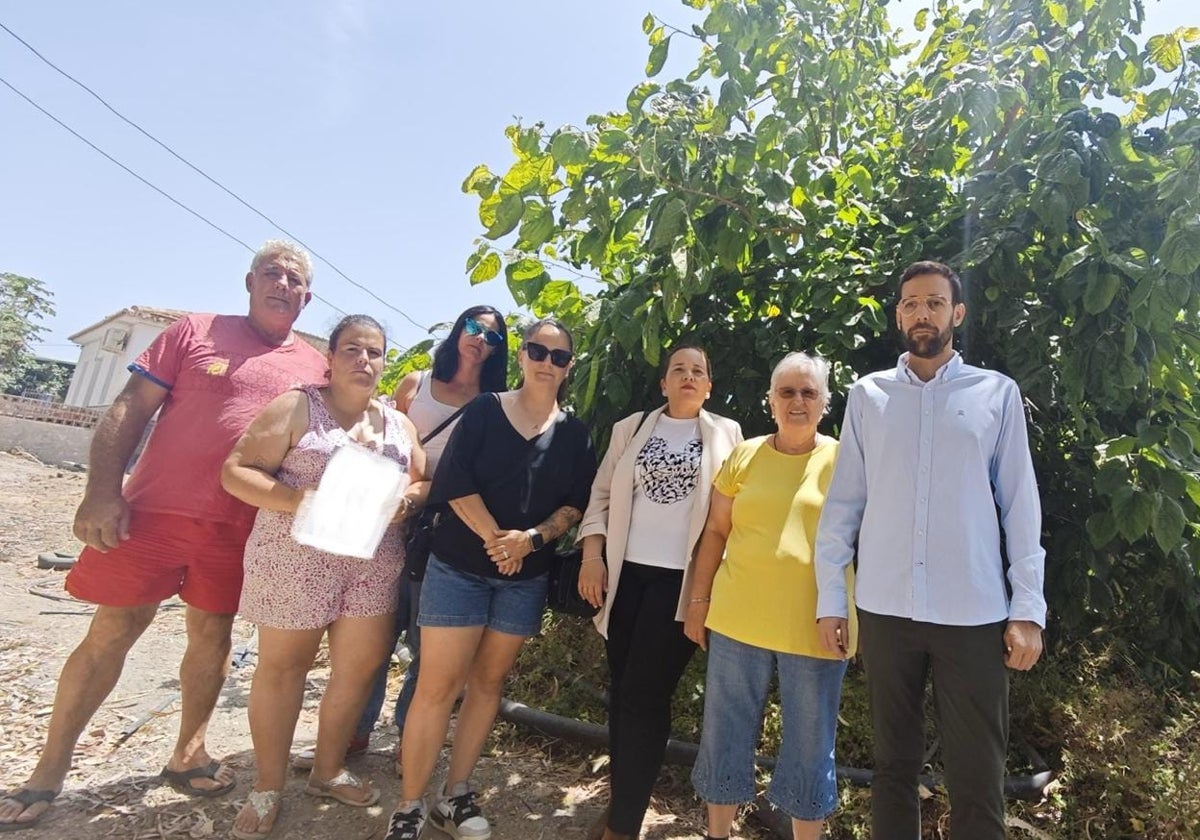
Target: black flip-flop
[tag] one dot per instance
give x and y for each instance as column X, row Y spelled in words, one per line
column 26, row 797
column 181, row 780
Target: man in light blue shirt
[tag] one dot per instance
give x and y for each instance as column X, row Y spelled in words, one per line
column 934, row 462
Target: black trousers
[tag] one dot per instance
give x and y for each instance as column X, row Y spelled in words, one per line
column 970, row 691
column 647, row 654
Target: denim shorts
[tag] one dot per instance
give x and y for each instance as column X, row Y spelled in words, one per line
column 804, row 784
column 450, row 598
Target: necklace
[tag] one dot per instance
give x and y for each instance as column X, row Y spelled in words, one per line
column 773, row 442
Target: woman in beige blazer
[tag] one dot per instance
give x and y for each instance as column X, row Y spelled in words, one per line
column 647, row 509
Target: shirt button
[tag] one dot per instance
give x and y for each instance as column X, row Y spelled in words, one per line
column 920, row 533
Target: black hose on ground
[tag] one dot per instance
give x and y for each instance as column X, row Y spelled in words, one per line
column 684, row 754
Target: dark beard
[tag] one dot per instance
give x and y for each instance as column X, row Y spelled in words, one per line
column 927, row 345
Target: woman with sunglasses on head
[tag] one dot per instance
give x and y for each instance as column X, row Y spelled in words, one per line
column 752, row 605
column 645, row 515
column 472, row 360
column 515, row 477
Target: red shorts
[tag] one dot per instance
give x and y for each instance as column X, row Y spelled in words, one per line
column 197, row 559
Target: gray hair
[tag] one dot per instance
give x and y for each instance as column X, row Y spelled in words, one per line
column 284, row 248
column 816, row 365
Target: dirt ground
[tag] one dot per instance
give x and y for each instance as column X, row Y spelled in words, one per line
column 530, row 791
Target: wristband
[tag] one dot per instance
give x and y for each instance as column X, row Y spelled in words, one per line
column 590, row 559
column 699, row 600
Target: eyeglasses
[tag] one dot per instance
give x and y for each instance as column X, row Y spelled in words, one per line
column 936, row 304
column 539, row 352
column 788, row 394
column 490, row 337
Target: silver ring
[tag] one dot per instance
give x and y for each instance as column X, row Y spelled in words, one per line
column 505, row 553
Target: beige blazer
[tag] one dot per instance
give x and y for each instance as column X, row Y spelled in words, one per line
column 611, row 502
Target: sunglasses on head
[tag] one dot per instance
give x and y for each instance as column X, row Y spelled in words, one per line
column 490, row 337
column 539, row 352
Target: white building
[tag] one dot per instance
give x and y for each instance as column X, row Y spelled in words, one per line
column 109, row 346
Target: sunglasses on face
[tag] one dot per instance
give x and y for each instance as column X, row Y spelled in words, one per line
column 539, row 352
column 490, row 337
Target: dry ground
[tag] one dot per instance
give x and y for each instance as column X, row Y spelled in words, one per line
column 529, row 792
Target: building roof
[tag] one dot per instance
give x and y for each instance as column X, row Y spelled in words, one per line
column 169, row 316
column 146, row 313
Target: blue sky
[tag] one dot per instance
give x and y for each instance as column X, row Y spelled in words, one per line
column 350, row 122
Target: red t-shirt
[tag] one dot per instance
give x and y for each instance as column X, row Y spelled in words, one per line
column 220, row 375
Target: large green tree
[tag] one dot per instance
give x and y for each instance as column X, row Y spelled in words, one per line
column 24, row 303
column 766, row 202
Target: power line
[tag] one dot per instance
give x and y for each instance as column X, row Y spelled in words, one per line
column 211, row 179
column 158, row 190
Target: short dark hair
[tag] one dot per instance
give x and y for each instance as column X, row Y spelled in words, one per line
column 932, row 267
column 558, row 325
column 355, row 321
column 494, row 375
column 665, row 364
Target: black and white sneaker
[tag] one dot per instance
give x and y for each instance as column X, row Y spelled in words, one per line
column 406, row 825
column 457, row 814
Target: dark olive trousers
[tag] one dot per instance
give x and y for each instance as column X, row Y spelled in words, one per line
column 970, row 692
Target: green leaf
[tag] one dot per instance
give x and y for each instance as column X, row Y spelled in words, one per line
column 1073, row 260
column 506, row 215
column 1169, row 522
column 1166, row 52
column 669, row 225
column 1101, row 529
column 732, row 98
column 570, row 148
column 861, row 178
column 920, row 21
column 536, row 227
column 1134, row 513
column 1101, row 289
column 658, row 57
column 481, row 181
column 1180, row 442
column 1193, row 488
column 1180, row 250
column 1058, row 13
column 648, row 23
column 486, row 268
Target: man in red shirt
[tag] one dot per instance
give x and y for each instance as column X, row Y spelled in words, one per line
column 172, row 529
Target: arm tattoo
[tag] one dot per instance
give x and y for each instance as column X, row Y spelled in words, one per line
column 559, row 522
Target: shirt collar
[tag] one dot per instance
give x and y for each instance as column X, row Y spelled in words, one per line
column 946, row 372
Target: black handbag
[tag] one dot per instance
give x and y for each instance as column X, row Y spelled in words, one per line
column 419, row 538
column 563, row 596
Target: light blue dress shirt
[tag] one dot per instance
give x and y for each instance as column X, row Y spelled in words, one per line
column 922, row 469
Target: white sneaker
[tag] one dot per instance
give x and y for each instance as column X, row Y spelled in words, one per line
column 457, row 814
column 406, row 825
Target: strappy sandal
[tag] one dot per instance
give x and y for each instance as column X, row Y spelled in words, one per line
column 345, row 779
column 27, row 798
column 263, row 802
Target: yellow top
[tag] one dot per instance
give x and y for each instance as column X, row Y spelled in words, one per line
column 765, row 590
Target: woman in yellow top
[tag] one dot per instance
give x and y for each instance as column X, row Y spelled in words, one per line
column 752, row 605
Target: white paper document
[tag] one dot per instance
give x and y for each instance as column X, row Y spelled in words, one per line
column 353, row 505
